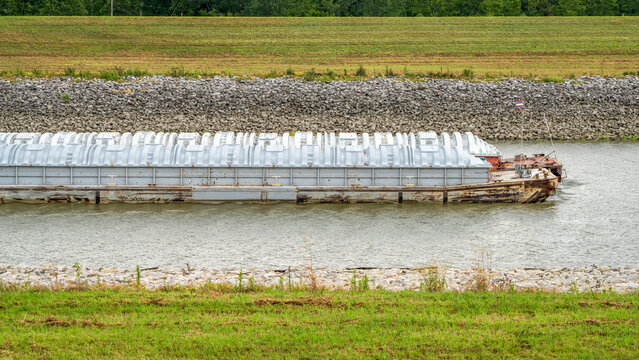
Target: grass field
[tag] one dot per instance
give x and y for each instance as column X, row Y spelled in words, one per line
column 521, row 46
column 208, row 322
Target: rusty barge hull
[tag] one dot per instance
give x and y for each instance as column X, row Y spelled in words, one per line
column 523, row 191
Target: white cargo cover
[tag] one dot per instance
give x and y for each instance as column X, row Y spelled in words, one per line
column 228, row 149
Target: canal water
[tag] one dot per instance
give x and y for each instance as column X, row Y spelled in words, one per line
column 592, row 219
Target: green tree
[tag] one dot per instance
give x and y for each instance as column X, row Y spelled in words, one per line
column 500, row 7
column 311, row 8
column 349, row 7
column 98, row 7
column 263, row 8
column 61, row 7
column 382, row 8
column 602, row 8
column 7, row 7
column 467, row 7
column 569, row 8
column 628, row 7
column 539, row 7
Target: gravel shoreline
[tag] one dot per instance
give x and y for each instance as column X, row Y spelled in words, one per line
column 583, row 108
column 557, row 279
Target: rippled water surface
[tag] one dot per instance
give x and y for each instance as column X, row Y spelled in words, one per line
column 592, row 219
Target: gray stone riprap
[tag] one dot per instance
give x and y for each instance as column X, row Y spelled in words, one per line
column 592, row 278
column 588, row 107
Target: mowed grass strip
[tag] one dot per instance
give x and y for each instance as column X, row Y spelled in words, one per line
column 517, row 46
column 272, row 323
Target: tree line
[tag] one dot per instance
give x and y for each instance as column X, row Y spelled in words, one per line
column 321, row 7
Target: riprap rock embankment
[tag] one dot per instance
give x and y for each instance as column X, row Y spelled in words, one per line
column 558, row 279
column 584, row 108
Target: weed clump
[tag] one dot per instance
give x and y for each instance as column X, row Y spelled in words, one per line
column 310, row 75
column 271, row 75
column 69, row 71
column 243, row 287
column 179, row 71
column 481, row 277
column 389, row 72
column 468, row 74
column 65, row 97
column 109, row 75
column 359, row 285
column 135, row 72
column 433, row 280
column 360, row 71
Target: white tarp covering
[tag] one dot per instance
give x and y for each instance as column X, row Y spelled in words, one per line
column 301, row 149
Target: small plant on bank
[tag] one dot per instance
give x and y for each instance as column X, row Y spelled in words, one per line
column 481, row 277
column 109, row 76
column 290, row 72
column 86, row 75
column 69, row 71
column 177, row 71
column 331, row 74
column 135, row 72
column 37, row 72
column 361, row 284
column 360, row 71
column 239, row 287
column 468, row 74
column 18, row 72
column 574, row 288
column 65, row 97
column 389, row 72
column 310, row 75
column 76, row 266
column 118, row 70
column 137, row 275
column 313, row 281
column 433, row 280
column 271, row 75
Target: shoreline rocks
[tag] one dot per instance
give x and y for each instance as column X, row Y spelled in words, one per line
column 556, row 279
column 583, row 108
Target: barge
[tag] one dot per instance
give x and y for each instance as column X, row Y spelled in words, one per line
column 302, row 167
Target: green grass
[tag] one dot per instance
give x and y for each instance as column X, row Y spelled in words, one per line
column 483, row 47
column 218, row 321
